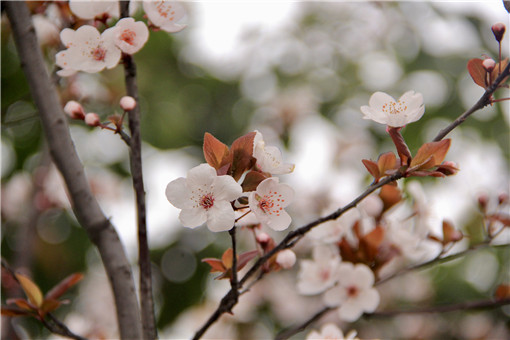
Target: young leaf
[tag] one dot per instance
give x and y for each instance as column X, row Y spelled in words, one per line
column 215, row 152
column 241, row 153
column 252, row 180
column 390, row 195
column 430, row 154
column 21, row 303
column 227, row 258
column 63, row 286
column 31, row 290
column 372, row 168
column 49, row 305
column 477, row 72
column 387, row 161
column 12, row 311
column 502, row 292
column 216, row 265
column 450, row 234
column 244, row 258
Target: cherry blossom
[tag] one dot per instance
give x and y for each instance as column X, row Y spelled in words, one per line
column 385, row 109
column 319, row 274
column 354, row 293
column 269, row 158
column 330, row 331
column 87, row 50
column 127, row 103
column 204, row 197
column 130, row 36
column 74, row 110
column 165, row 14
column 268, row 201
column 94, row 8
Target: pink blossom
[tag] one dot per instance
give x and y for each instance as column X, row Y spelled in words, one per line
column 74, row 110
column 92, row 119
column 165, row 14
column 269, row 158
column 127, row 103
column 130, row 36
column 286, row 258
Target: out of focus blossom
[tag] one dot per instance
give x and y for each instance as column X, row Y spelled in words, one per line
column 47, row 32
column 330, row 331
column 94, row 8
column 286, row 258
column 87, row 50
column 385, row 109
column 204, row 197
column 127, row 103
column 165, row 14
column 268, row 203
column 354, row 293
column 269, row 158
column 319, row 274
column 130, row 36
column 74, row 110
column 92, row 119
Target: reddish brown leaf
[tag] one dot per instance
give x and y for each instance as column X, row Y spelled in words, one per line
column 450, row 234
column 477, row 72
column 31, row 290
column 502, row 292
column 252, row 180
column 390, row 195
column 375, row 237
column 227, row 258
column 13, row 311
column 346, row 251
column 430, row 154
column 241, row 153
column 495, row 72
column 244, row 258
column 21, row 303
column 372, row 168
column 63, row 286
column 503, row 218
column 215, row 152
column 49, row 305
column 387, row 161
column 216, row 264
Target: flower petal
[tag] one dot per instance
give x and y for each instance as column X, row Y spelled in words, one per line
column 178, row 193
column 221, row 216
column 193, row 217
column 201, row 176
column 226, row 188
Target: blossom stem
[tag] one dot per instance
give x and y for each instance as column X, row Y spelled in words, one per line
column 146, row 298
column 246, row 213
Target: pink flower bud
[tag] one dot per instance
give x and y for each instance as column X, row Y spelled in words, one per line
column 483, row 200
column 74, row 110
column 286, row 258
column 127, row 103
column 92, row 119
column 489, row 64
column 263, row 238
column 498, row 30
column 502, row 198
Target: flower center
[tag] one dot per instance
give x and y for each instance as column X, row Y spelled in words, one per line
column 165, row 10
column 265, row 204
column 324, row 274
column 128, row 36
column 98, row 54
column 207, row 201
column 352, row 291
column 394, row 107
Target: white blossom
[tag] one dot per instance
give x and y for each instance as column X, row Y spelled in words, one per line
column 165, row 14
column 94, row 8
column 268, row 203
column 130, row 36
column 204, row 197
column 354, row 293
column 269, row 158
column 321, row 273
column 330, row 331
column 385, row 109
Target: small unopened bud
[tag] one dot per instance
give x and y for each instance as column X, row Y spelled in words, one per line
column 483, row 200
column 286, row 258
column 502, row 198
column 92, row 119
column 263, row 238
column 74, row 110
column 127, row 103
column 498, row 30
column 488, row 64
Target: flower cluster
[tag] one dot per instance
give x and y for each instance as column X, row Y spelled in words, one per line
column 89, row 50
column 236, row 179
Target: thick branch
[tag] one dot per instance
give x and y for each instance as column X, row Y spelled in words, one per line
column 146, row 298
column 87, row 210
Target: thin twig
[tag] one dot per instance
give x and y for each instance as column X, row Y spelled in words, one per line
column 146, row 298
column 58, row 327
column 285, row 334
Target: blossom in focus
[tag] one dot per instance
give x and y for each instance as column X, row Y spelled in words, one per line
column 94, row 8
column 330, row 331
column 269, row 158
column 384, row 109
column 354, row 292
column 165, row 14
column 130, row 36
column 204, row 197
column 87, row 50
column 319, row 274
column 268, row 203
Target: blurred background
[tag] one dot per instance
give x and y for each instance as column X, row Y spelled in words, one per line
column 298, row 72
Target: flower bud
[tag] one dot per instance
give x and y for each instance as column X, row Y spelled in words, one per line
column 502, row 198
column 498, row 30
column 92, row 119
column 489, row 64
column 286, row 258
column 74, row 110
column 127, row 103
column 483, row 200
column 263, row 238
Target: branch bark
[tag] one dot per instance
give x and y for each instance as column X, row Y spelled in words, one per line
column 99, row 229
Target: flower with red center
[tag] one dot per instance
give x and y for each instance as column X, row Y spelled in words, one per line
column 130, row 36
column 165, row 14
column 268, row 203
column 87, row 50
column 319, row 274
column 354, row 293
column 204, row 197
column 385, row 109
column 94, row 8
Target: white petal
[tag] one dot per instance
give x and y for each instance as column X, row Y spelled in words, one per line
column 368, row 300
column 202, row 175
column 226, row 188
column 173, row 28
column 193, row 217
column 179, row 194
column 375, row 115
column 349, row 312
column 221, row 216
column 363, row 276
column 67, row 36
column 378, row 99
column 279, row 222
column 335, row 296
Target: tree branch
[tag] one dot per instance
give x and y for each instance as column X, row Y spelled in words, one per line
column 135, row 143
column 285, row 334
column 87, row 210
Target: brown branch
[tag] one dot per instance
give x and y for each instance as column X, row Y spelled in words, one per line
column 146, row 298
column 483, row 304
column 85, row 206
column 57, row 327
column 285, row 334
